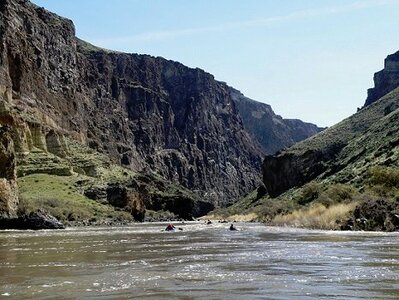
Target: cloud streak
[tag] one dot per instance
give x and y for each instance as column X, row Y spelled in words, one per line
column 156, row 36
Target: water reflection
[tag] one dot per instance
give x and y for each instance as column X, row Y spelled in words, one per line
column 199, row 262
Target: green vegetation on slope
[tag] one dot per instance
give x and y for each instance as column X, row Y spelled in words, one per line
column 81, row 186
column 59, row 196
column 328, row 205
column 336, row 174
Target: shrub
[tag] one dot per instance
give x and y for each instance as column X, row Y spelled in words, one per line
column 309, row 193
column 385, row 176
column 272, row 207
column 340, row 192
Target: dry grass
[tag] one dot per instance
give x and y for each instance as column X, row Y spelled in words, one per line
column 237, row 217
column 317, row 216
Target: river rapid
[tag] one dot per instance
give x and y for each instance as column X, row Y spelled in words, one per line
column 199, row 262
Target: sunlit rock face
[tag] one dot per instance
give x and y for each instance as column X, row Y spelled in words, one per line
column 385, row 80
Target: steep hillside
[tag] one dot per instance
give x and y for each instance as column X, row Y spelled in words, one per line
column 346, row 176
column 342, row 153
column 271, row 131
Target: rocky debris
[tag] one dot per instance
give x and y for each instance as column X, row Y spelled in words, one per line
column 374, row 215
column 385, row 80
column 271, row 131
column 8, row 185
column 34, row 221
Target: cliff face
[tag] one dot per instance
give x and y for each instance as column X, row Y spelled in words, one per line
column 144, row 112
column 271, row 131
column 385, row 80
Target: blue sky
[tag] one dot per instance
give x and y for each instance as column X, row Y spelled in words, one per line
column 308, row 59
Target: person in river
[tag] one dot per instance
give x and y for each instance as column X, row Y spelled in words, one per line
column 170, row 227
column 232, row 227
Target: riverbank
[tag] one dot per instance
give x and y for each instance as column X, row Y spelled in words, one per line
column 371, row 215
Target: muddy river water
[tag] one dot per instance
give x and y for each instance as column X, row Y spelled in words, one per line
column 199, row 262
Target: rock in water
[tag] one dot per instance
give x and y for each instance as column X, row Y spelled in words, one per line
column 374, row 215
column 34, row 221
column 40, row 220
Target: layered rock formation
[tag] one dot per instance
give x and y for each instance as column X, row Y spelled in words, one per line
column 385, row 80
column 271, row 131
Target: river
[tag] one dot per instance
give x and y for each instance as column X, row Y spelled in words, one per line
column 199, row 262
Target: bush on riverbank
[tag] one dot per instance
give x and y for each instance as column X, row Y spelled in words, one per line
column 316, row 216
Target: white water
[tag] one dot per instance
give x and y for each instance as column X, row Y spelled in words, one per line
column 200, row 262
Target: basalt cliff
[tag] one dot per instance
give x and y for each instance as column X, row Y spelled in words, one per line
column 95, row 119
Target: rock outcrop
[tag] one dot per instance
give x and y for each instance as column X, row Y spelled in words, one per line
column 147, row 192
column 34, row 221
column 374, row 215
column 8, row 184
column 271, row 131
column 385, row 80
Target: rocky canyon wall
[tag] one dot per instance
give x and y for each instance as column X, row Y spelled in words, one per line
column 147, row 113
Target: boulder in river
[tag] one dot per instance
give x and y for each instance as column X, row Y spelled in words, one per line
column 34, row 221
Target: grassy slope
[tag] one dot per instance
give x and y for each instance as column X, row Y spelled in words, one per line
column 57, row 184
column 59, row 196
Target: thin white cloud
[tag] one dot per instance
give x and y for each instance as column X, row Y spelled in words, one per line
column 297, row 15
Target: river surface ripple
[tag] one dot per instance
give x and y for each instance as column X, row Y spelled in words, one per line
column 200, row 262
